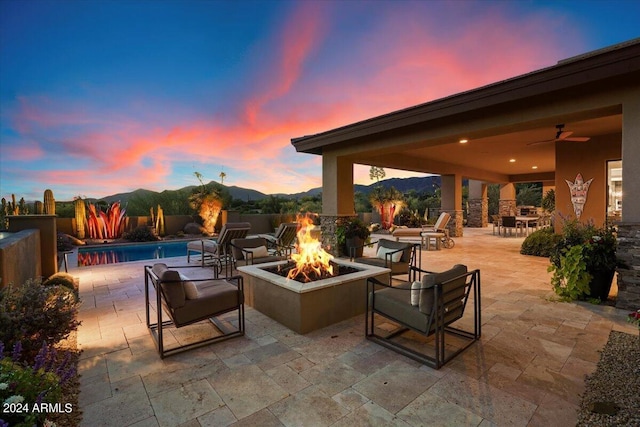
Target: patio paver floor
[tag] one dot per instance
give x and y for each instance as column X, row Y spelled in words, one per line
column 527, row 370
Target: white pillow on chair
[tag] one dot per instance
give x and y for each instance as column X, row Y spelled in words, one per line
column 382, row 253
column 259, row 252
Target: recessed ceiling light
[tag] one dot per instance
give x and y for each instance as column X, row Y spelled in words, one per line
column 464, row 141
column 534, row 167
column 512, row 160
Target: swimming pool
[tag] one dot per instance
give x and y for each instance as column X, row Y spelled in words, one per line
column 116, row 253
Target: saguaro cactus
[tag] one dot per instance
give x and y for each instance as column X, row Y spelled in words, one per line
column 81, row 217
column 49, row 203
column 160, row 222
column 13, row 207
column 39, row 207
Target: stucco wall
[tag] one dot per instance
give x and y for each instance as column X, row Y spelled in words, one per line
column 589, row 159
column 20, row 257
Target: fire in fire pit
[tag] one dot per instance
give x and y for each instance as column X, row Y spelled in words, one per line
column 285, row 270
column 311, row 261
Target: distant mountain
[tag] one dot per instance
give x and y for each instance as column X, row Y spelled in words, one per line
column 426, row 184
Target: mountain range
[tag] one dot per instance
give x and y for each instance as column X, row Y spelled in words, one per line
column 427, row 184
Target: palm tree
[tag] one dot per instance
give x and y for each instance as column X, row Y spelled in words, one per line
column 222, row 177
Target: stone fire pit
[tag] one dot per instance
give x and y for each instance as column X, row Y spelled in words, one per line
column 304, row 307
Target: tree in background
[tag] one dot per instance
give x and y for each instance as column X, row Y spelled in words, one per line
column 376, row 173
column 208, row 202
column 222, row 177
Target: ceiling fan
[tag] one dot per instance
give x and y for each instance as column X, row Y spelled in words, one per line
column 562, row 135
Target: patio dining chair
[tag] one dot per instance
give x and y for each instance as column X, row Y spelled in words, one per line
column 510, row 223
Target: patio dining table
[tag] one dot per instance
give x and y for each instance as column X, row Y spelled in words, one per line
column 524, row 220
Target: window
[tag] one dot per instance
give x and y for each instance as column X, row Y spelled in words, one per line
column 614, row 186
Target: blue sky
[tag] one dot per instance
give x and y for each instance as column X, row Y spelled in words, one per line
column 102, row 97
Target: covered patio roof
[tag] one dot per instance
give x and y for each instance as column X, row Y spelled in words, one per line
column 499, row 121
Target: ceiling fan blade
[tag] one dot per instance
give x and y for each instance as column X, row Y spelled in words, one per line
column 564, row 135
column 540, row 142
column 578, row 139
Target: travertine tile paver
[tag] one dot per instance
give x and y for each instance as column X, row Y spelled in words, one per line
column 528, row 369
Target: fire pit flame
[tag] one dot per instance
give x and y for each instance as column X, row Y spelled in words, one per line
column 312, row 262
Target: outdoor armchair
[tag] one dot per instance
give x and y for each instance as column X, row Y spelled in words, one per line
column 218, row 250
column 429, row 307
column 190, row 300
column 252, row 250
column 396, row 256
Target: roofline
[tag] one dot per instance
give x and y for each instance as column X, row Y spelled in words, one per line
column 613, row 61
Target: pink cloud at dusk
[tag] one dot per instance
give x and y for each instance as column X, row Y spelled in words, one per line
column 313, row 80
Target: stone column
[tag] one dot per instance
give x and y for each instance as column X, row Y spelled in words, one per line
column 328, row 225
column 478, row 215
column 507, row 203
column 451, row 193
column 629, row 273
column 629, row 228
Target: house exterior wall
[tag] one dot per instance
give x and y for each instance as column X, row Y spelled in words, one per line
column 590, row 160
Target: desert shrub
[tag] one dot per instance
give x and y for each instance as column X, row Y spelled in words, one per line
column 540, row 243
column 31, row 382
column 141, row 234
column 62, row 279
column 409, row 218
column 33, row 313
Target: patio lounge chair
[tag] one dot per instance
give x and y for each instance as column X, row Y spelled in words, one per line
column 218, row 250
column 429, row 307
column 282, row 241
column 252, row 250
column 397, row 256
column 188, row 301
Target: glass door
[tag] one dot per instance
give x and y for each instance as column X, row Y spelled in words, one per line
column 614, row 186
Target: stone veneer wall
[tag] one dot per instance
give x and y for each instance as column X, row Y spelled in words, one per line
column 507, row 207
column 328, row 225
column 629, row 275
column 455, row 225
column 478, row 215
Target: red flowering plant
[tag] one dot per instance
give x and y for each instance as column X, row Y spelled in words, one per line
column 634, row 317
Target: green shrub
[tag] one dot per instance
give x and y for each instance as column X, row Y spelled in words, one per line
column 141, row 234
column 62, row 279
column 570, row 278
column 540, row 243
column 33, row 313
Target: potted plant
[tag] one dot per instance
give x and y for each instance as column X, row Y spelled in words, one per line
column 584, row 261
column 352, row 233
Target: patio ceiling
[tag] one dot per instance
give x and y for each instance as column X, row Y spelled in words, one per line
column 486, row 155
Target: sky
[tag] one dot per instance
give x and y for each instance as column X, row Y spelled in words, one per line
column 99, row 97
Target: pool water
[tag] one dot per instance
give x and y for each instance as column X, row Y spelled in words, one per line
column 112, row 254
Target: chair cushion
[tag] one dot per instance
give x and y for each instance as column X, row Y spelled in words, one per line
column 172, row 285
column 394, row 302
column 415, row 293
column 209, row 245
column 190, row 288
column 382, row 254
column 392, row 244
column 427, row 295
column 215, row 297
column 259, row 252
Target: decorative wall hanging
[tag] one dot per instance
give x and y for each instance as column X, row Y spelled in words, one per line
column 579, row 190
